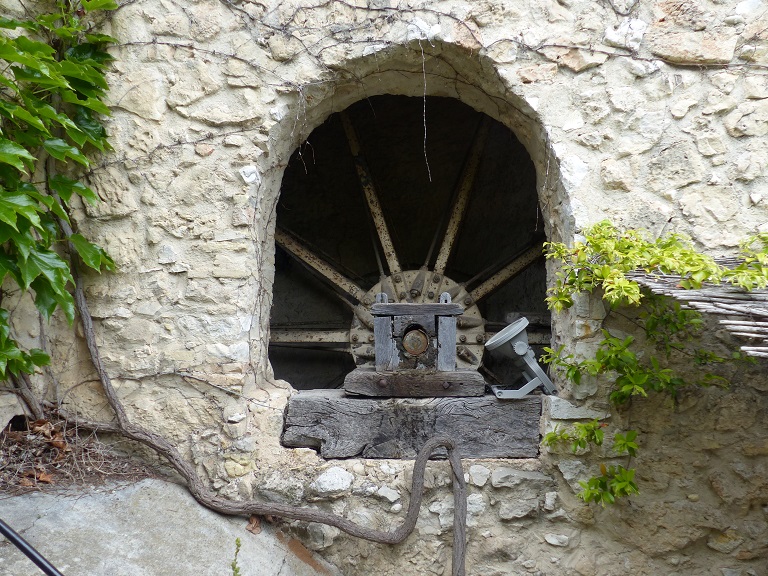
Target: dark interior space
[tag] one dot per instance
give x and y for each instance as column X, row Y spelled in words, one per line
column 415, row 149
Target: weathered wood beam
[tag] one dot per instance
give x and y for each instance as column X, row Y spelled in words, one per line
column 343, row 427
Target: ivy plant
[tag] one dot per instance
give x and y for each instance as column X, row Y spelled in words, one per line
column 602, row 261
column 52, row 88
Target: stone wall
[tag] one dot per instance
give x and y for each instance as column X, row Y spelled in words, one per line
column 651, row 114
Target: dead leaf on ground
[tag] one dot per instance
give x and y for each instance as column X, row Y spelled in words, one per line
column 43, row 427
column 254, row 525
column 26, row 482
column 45, row 478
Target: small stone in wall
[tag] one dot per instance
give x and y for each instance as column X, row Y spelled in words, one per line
column 628, row 34
column 203, row 149
column 557, row 539
column 516, row 509
column 321, row 536
column 388, row 494
column 331, row 483
column 478, row 474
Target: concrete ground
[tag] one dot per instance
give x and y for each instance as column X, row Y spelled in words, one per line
column 149, row 528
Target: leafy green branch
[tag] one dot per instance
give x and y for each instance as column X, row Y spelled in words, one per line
column 52, row 86
column 603, row 261
column 614, row 481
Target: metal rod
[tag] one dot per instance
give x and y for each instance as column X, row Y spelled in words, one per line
column 508, row 272
column 366, row 182
column 304, row 254
column 459, row 208
column 28, row 550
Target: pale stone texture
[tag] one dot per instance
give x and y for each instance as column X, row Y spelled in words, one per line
column 647, row 113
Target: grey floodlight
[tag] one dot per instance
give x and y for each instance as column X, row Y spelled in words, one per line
column 512, row 342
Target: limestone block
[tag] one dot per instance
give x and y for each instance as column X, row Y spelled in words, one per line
column 194, row 81
column 321, row 536
column 573, row 169
column 283, row 47
column 236, row 106
column 756, row 87
column 516, row 509
column 332, row 483
column 208, row 18
column 709, row 143
column 119, row 196
column 139, row 90
column 525, row 481
column 575, row 59
column 573, row 472
column 560, row 409
column 544, row 72
column 627, row 34
column 701, row 47
column 230, row 266
column 675, row 166
column 560, row 540
column 388, row 494
column 725, row 542
column 479, row 474
column 680, row 107
column 168, row 20
column 748, row 119
column 618, row 174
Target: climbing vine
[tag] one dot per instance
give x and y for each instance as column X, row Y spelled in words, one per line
column 51, row 101
column 604, row 261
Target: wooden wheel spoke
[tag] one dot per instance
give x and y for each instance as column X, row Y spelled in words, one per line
column 461, row 195
column 319, row 265
column 371, row 196
column 334, row 340
column 519, row 263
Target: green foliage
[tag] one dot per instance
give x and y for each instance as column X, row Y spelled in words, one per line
column 51, row 89
column 579, row 437
column 602, row 261
column 606, row 255
column 614, row 482
column 233, row 565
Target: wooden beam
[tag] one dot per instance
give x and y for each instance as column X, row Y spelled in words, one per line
column 343, row 427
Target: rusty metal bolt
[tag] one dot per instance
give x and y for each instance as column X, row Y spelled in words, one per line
column 370, row 338
column 431, row 295
column 402, row 296
column 415, row 293
column 446, row 385
column 436, row 278
column 462, row 338
column 468, row 301
column 398, row 278
column 354, row 338
column 480, row 338
column 415, row 341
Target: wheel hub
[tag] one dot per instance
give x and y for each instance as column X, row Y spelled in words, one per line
column 423, row 287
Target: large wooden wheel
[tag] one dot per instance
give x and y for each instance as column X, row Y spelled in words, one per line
column 362, row 211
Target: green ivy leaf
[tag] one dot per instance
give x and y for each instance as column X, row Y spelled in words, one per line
column 65, row 187
column 94, row 256
column 88, row 124
column 60, row 150
column 12, row 205
column 90, row 5
column 15, row 155
column 39, row 357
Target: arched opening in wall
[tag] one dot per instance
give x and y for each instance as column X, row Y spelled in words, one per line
column 413, row 197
